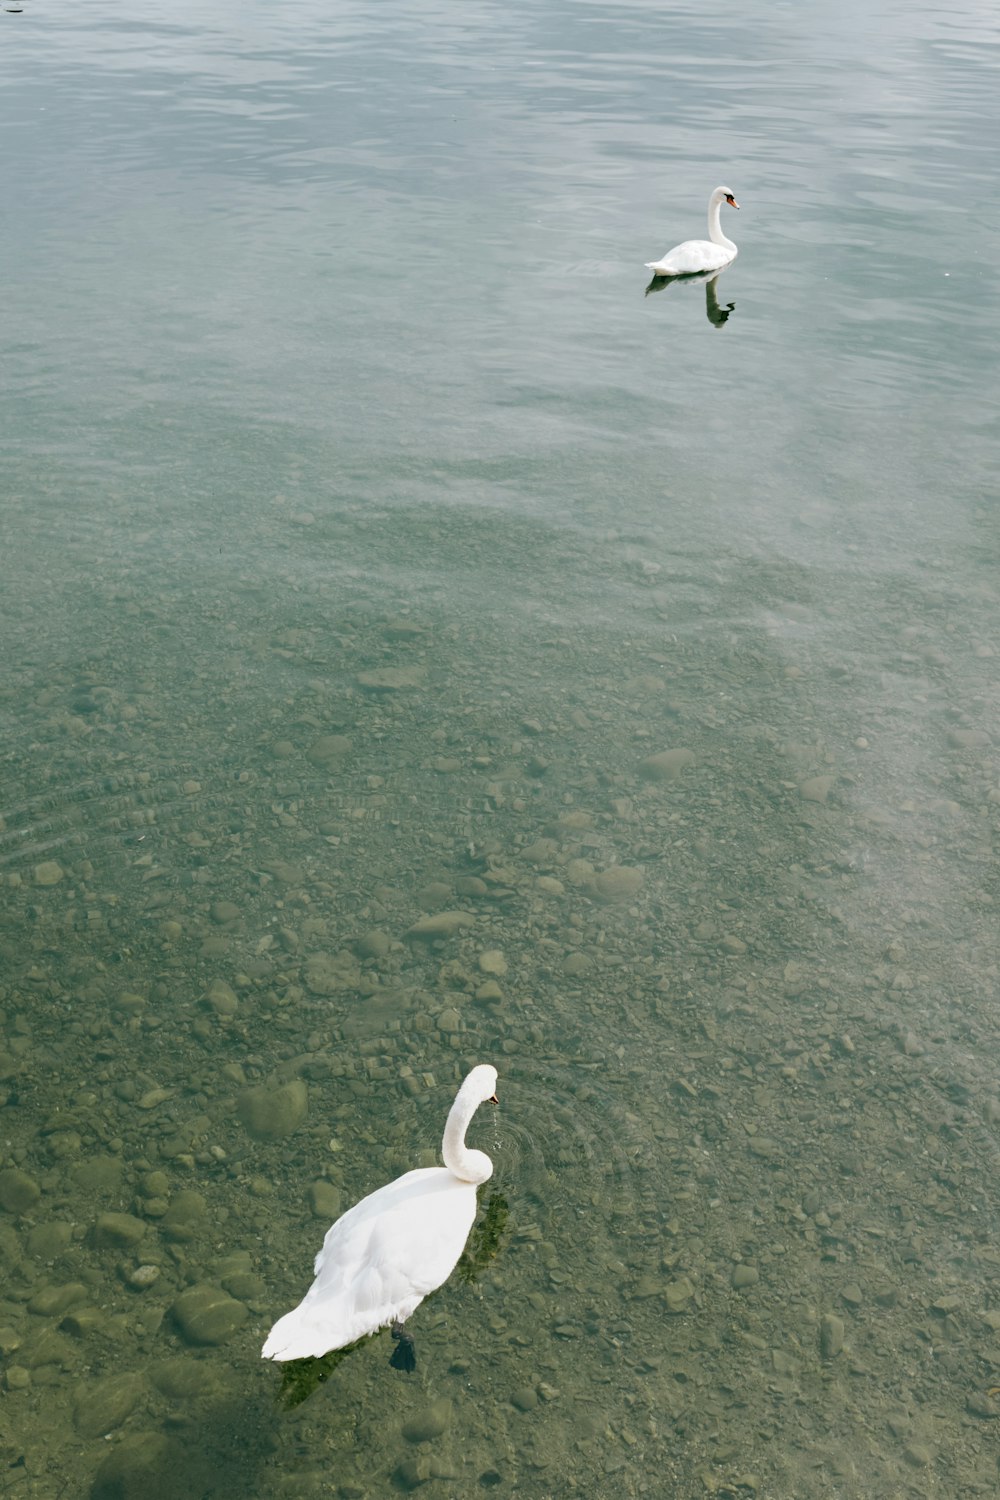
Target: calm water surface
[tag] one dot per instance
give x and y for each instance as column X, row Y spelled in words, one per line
column 365, row 531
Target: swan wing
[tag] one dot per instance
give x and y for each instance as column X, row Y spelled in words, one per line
column 690, row 258
column 378, row 1262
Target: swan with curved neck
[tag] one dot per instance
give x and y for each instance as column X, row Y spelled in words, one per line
column 468, row 1166
column 381, row 1258
column 695, row 256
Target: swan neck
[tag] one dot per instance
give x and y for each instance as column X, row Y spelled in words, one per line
column 715, row 233
column 470, row 1166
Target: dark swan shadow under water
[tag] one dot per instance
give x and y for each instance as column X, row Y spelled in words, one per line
column 717, row 313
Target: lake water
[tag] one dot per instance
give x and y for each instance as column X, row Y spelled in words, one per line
column 369, row 538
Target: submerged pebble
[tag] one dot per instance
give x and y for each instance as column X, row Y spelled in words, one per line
column 666, row 765
column 143, row 1466
column 100, row 1406
column 207, row 1315
column 118, row 1231
column 18, row 1192
column 429, row 1423
column 270, row 1114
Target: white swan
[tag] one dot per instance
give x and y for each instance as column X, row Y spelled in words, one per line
column 700, row 255
column 381, row 1258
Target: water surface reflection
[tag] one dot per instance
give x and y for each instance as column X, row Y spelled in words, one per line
column 716, row 313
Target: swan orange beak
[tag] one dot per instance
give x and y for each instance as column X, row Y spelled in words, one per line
column 493, row 1099
column 732, row 202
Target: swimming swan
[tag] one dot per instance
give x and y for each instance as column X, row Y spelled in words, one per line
column 701, row 255
column 381, row 1258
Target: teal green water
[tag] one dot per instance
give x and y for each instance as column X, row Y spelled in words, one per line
column 367, row 532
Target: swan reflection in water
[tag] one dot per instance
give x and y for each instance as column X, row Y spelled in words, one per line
column 716, row 313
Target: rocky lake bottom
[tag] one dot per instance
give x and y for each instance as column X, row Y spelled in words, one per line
column 716, row 896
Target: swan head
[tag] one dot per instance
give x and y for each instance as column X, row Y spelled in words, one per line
column 481, row 1084
column 478, row 1087
column 723, row 195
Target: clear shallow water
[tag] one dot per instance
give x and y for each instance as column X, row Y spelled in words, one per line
column 327, row 352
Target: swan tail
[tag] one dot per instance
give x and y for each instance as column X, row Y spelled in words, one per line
column 305, row 1333
column 288, row 1339
column 305, row 1337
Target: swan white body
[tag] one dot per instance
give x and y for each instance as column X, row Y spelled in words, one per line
column 381, row 1258
column 695, row 256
